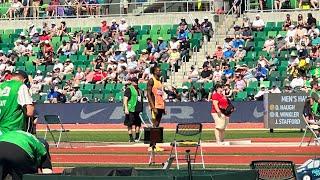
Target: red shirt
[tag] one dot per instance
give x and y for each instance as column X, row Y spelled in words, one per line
column 98, row 76
column 104, row 28
column 222, row 101
column 46, row 37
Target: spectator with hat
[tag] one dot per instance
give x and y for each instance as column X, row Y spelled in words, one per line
column 17, row 103
column 258, row 24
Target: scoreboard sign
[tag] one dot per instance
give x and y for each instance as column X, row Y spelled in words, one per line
column 284, row 110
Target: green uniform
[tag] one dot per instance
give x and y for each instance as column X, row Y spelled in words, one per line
column 133, row 99
column 11, row 113
column 315, row 95
column 29, row 143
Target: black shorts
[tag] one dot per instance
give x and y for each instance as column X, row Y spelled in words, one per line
column 158, row 116
column 132, row 118
column 15, row 161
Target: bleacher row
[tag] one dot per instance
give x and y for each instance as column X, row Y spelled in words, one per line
column 9, row 36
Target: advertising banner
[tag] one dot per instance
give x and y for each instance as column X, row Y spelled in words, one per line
column 112, row 113
column 284, row 110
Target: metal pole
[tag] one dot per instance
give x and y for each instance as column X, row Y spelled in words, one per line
column 188, row 158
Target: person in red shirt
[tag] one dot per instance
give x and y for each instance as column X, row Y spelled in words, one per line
column 45, row 36
column 219, row 101
column 98, row 76
column 104, row 27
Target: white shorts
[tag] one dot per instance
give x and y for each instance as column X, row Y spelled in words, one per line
column 220, row 122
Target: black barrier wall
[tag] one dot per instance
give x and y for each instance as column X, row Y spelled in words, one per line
column 100, row 113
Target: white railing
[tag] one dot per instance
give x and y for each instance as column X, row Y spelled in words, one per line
column 271, row 8
column 103, row 10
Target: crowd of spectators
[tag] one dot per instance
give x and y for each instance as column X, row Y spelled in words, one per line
column 300, row 44
column 110, row 53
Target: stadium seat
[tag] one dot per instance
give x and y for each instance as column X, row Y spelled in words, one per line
column 142, row 86
column 241, row 96
column 265, row 84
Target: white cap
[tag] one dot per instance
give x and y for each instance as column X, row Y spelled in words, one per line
column 22, row 34
column 1, row 51
column 113, row 20
column 206, row 17
column 46, row 41
column 258, row 15
column 123, row 19
column 38, row 71
column 291, row 26
column 19, row 41
column 53, row 22
column 31, row 24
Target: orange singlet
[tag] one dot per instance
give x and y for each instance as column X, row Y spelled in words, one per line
column 157, row 91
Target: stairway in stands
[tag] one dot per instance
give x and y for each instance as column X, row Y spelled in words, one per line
column 222, row 29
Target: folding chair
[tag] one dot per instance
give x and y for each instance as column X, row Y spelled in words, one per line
column 312, row 128
column 280, row 170
column 146, row 121
column 55, row 119
column 183, row 131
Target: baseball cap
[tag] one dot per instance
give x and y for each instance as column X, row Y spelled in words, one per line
column 23, row 74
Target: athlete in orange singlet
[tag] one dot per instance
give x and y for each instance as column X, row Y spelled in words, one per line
column 155, row 94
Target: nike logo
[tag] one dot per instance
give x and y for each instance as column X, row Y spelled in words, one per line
column 257, row 114
column 84, row 115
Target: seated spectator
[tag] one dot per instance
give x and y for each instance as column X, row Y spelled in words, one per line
column 88, row 75
column 68, row 67
column 240, row 83
column 240, row 54
column 258, row 24
column 32, row 29
column 123, row 26
column 237, row 42
column 27, row 50
column 247, row 37
column 182, row 35
column 297, row 82
column 98, row 64
column 35, row 87
column 263, row 61
column 301, row 21
column 217, row 74
column 76, row 94
column 206, row 74
column 273, row 62
column 274, row 90
column 64, row 49
column 315, row 40
column 269, row 45
column 218, row 52
column 287, row 23
column 174, row 43
column 228, row 54
column 104, row 27
column 261, row 72
column 52, row 95
column 114, row 26
column 174, row 56
column 293, row 60
column 123, row 46
column 19, row 47
column 260, row 93
column 161, row 49
column 293, row 71
column 246, row 22
column 228, row 72
column 301, row 31
column 237, row 30
column 313, row 30
column 88, row 47
column 193, row 75
column 228, row 92
column 150, row 46
column 132, row 36
column 311, row 21
column 315, row 53
column 184, row 94
column 80, row 76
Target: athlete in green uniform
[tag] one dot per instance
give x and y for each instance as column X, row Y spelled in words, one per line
column 15, row 103
column 133, row 105
column 22, row 153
